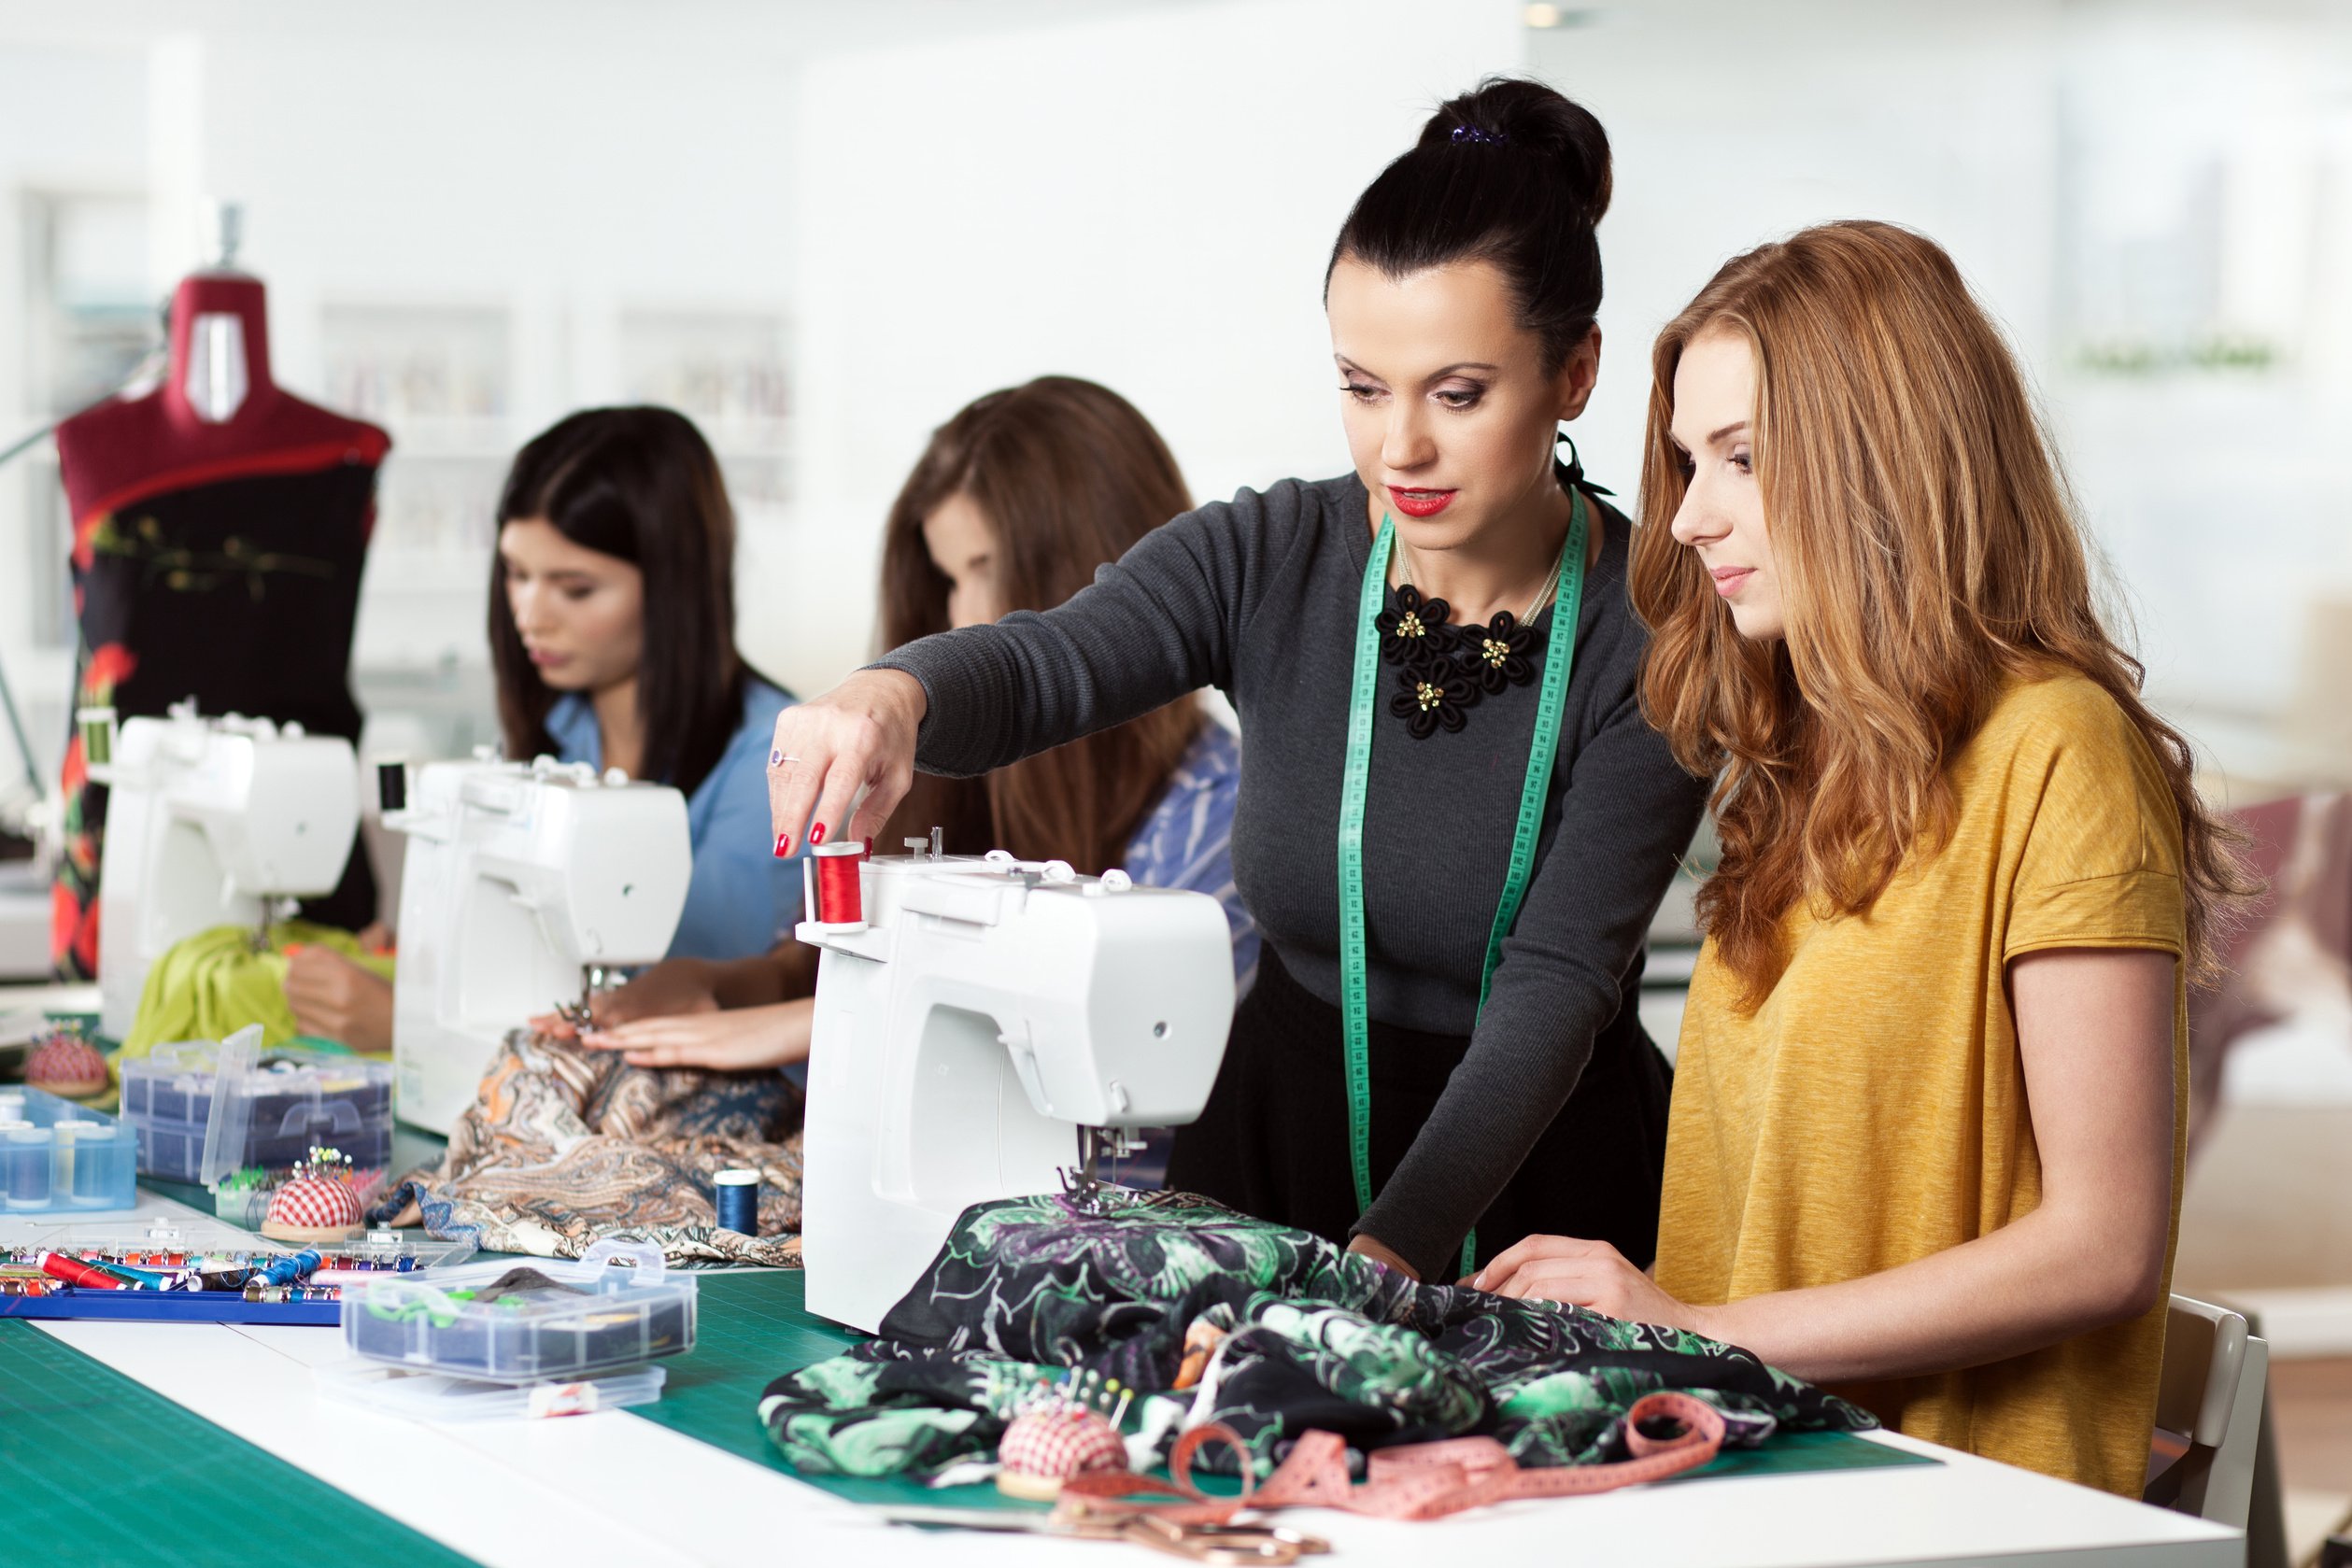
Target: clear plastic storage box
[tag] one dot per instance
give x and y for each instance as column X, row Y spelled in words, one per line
column 54, row 1155
column 524, row 1319
column 436, row 1396
column 168, row 1240
column 200, row 1109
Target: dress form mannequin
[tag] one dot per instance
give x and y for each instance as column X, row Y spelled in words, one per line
column 219, row 525
column 216, row 415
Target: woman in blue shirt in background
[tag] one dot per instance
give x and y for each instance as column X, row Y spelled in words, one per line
column 612, row 636
column 612, row 621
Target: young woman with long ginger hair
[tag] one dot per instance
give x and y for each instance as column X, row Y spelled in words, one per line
column 1926, row 1138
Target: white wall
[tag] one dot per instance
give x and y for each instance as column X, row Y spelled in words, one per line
column 73, row 120
column 557, row 170
column 1726, row 134
column 559, row 175
column 560, row 160
column 1147, row 202
column 2219, row 499
column 949, row 197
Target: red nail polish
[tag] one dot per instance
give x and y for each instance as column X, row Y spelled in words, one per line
column 816, row 834
column 784, row 845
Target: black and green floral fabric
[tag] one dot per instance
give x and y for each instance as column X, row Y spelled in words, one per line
column 1273, row 1332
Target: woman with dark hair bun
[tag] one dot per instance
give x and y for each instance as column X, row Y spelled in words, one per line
column 1453, row 825
column 612, row 628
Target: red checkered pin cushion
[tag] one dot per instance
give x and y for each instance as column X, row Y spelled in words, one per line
column 67, row 1066
column 1046, row 1445
column 313, row 1209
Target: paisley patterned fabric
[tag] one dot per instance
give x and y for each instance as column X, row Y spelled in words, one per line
column 1212, row 1316
column 565, row 1147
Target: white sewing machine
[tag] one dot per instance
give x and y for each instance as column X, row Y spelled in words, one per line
column 209, row 822
column 986, row 1031
column 524, row 884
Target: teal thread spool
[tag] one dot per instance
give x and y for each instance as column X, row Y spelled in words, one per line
column 24, row 1157
column 98, row 1154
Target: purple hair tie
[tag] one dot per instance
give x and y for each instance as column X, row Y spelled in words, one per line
column 1473, row 133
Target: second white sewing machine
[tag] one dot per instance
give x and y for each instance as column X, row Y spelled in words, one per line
column 985, row 1026
column 523, row 883
column 209, row 822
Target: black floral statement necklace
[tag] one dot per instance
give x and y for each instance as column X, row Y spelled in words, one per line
column 1445, row 670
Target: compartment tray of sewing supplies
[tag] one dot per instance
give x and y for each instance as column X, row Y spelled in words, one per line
column 198, row 1271
column 528, row 1319
column 58, row 1157
column 204, row 1109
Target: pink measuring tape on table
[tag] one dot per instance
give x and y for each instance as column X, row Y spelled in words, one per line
column 1418, row 1481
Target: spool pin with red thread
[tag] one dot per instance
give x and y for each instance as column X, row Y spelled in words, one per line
column 831, row 876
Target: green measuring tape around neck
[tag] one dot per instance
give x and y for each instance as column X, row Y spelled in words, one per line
column 1559, row 656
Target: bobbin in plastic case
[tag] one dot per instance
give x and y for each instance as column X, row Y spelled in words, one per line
column 524, row 1320
column 54, row 1155
column 202, row 1110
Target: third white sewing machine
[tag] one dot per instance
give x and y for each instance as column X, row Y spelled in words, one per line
column 209, row 822
column 982, row 1031
column 524, row 884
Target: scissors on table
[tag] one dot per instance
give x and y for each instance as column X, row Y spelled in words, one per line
column 1225, row 1543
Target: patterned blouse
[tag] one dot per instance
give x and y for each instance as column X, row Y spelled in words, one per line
column 1186, row 841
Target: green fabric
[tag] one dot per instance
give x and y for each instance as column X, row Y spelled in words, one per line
column 749, row 1324
column 1284, row 1332
column 97, row 1468
column 213, row 983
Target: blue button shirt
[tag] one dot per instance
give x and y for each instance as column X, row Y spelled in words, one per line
column 742, row 898
column 1186, row 840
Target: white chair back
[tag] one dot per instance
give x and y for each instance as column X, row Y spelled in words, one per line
column 2210, row 1398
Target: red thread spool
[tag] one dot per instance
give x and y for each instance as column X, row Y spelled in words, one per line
column 840, row 900
column 75, row 1272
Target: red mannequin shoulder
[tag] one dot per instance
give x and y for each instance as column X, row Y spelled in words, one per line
column 121, row 451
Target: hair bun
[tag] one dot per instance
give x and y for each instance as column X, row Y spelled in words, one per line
column 1512, row 112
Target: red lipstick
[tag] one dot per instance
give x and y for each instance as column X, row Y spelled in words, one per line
column 1420, row 504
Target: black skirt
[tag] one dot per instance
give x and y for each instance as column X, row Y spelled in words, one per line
column 1273, row 1139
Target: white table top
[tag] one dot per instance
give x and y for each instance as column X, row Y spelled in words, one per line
column 610, row 1488
column 50, row 996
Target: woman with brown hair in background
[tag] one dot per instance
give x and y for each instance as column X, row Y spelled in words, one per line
column 1015, row 503
column 1012, row 507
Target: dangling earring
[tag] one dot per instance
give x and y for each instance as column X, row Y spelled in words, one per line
column 1572, row 471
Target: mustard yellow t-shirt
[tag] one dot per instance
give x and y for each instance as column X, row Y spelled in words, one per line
column 1873, row 1110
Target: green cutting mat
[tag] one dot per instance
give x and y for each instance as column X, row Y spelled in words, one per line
column 752, row 1328
column 100, row 1468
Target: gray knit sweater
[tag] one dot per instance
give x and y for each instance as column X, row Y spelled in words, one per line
column 1257, row 597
